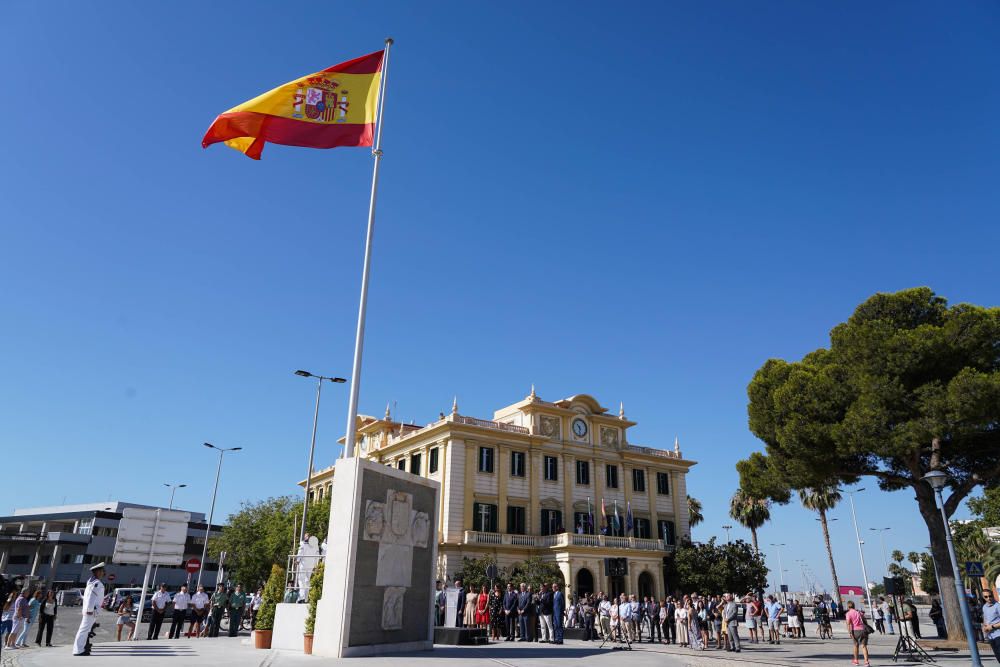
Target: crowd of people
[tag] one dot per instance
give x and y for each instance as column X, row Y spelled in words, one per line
column 697, row 622
column 25, row 609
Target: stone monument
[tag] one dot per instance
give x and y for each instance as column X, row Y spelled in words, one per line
column 378, row 590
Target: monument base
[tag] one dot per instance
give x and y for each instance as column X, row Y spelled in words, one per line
column 289, row 625
column 378, row 589
column 460, row 636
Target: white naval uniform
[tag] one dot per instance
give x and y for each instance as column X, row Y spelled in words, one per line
column 92, row 597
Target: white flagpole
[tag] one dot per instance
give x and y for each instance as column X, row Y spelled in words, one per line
column 359, row 341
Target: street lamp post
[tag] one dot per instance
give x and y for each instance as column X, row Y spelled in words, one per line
column 312, row 445
column 881, row 539
column 861, row 551
column 211, row 513
column 937, row 480
column 173, row 489
column 781, row 571
column 727, row 529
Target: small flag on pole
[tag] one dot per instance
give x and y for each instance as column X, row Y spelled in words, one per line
column 628, row 518
column 604, row 518
column 333, row 107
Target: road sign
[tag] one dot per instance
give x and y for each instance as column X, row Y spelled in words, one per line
column 784, row 588
column 491, row 571
column 135, row 536
column 193, row 565
column 974, row 569
column 111, row 577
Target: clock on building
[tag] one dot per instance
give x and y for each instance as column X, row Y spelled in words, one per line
column 579, row 428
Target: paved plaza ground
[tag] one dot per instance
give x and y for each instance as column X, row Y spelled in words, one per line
column 226, row 652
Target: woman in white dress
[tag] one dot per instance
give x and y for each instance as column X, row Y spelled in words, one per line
column 681, row 619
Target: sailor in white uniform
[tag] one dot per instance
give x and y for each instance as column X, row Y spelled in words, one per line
column 92, row 598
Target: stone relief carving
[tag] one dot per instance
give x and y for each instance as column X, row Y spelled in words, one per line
column 392, row 608
column 398, row 529
column 549, row 426
column 609, row 437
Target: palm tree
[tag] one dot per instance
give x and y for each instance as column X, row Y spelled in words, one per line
column 750, row 512
column 821, row 501
column 914, row 558
column 694, row 512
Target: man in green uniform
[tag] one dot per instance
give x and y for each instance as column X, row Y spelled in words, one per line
column 237, row 602
column 220, row 600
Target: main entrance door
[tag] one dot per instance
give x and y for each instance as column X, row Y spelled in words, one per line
column 647, row 587
column 584, row 582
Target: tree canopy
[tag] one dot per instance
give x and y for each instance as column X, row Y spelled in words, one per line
column 709, row 568
column 261, row 534
column 907, row 385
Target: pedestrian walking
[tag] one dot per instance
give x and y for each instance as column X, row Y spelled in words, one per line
column 47, row 618
column 237, row 603
column 125, row 619
column 859, row 632
column 991, row 622
column 879, row 617
column 181, row 602
column 92, row 597
column 158, row 611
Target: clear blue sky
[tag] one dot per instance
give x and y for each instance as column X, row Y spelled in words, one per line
column 642, row 203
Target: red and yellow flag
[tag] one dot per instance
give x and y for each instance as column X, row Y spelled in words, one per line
column 334, row 107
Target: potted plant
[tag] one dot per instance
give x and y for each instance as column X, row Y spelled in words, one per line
column 269, row 601
column 315, row 593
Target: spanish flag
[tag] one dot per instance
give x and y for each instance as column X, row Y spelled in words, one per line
column 333, row 107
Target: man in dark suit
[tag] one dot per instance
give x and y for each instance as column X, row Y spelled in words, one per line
column 524, row 613
column 510, row 611
column 460, row 613
column 558, row 609
column 670, row 630
column 653, row 614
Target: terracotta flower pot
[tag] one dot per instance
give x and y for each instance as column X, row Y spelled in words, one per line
column 307, row 644
column 262, row 638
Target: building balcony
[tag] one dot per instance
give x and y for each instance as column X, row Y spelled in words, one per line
column 563, row 540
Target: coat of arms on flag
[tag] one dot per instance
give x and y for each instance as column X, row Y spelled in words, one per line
column 323, row 102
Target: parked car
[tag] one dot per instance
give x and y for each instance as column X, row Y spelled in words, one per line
column 71, row 597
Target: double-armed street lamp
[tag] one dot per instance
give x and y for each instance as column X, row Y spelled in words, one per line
column 781, row 571
column 173, row 489
column 881, row 538
column 938, row 480
column 312, row 445
column 211, row 513
column 861, row 551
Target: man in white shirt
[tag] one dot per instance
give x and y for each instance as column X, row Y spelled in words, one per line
column 92, row 597
column 604, row 614
column 181, row 602
column 159, row 610
column 199, row 610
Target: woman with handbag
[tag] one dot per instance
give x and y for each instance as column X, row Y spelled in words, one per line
column 47, row 618
column 860, row 630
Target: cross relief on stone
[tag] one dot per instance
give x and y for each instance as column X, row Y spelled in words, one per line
column 398, row 529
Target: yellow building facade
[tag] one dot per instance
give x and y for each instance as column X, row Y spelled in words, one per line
column 527, row 482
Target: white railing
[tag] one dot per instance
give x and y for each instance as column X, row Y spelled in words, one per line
column 459, row 419
column 564, row 540
column 649, row 451
column 486, row 423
